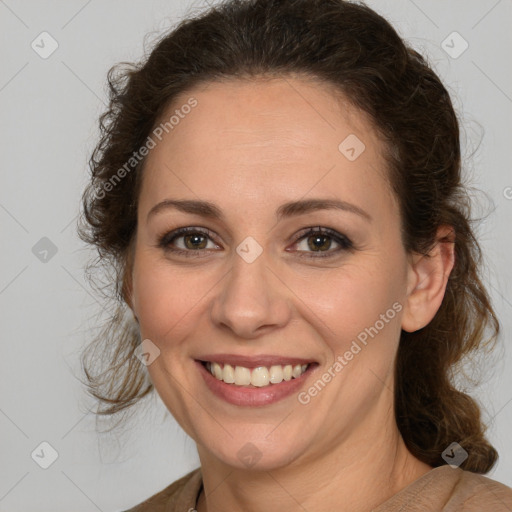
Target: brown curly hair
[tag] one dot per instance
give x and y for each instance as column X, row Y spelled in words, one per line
column 352, row 48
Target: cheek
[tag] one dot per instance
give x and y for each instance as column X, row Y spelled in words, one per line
column 346, row 303
column 166, row 302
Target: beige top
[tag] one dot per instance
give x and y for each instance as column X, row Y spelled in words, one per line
column 443, row 489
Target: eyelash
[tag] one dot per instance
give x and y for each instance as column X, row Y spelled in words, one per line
column 165, row 241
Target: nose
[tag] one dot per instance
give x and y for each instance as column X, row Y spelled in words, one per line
column 252, row 300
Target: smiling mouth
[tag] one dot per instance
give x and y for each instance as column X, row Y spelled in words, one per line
column 261, row 376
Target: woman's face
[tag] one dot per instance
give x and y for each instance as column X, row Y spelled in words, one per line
column 247, row 285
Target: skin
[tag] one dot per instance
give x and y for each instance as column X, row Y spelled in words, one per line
column 249, row 147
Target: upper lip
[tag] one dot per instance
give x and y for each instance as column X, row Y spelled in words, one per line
column 253, row 361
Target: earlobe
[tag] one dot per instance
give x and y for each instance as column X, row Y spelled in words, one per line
column 127, row 287
column 128, row 298
column 127, row 294
column 427, row 279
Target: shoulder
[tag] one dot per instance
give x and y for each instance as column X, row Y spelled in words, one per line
column 181, row 493
column 447, row 489
column 475, row 492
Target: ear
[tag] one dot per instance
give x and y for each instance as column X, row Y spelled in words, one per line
column 126, row 291
column 127, row 288
column 427, row 279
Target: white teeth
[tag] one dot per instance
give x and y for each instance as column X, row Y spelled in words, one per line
column 297, row 371
column 258, row 377
column 276, row 374
column 242, row 376
column 229, row 374
column 217, row 371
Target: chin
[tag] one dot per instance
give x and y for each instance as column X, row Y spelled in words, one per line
column 255, row 453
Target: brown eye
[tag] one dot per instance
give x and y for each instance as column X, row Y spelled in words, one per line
column 319, row 242
column 187, row 241
column 196, row 241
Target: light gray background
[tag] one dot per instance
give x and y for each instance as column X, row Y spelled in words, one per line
column 49, row 111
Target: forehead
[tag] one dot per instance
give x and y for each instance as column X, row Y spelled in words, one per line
column 267, row 112
column 265, row 138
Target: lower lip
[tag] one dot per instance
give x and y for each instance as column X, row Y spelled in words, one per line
column 252, row 396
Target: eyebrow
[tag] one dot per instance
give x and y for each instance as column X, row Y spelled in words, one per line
column 286, row 210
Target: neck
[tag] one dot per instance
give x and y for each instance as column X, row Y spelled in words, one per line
column 356, row 476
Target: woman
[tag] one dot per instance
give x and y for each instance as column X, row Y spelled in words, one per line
column 278, row 188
